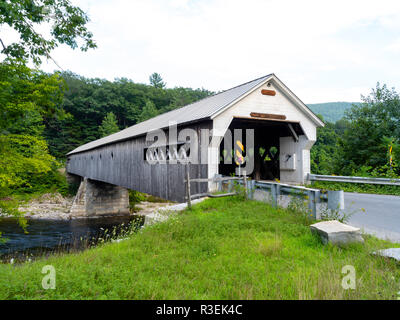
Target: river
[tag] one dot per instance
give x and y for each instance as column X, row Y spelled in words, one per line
column 48, row 236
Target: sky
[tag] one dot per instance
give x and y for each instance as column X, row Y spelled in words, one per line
column 323, row 51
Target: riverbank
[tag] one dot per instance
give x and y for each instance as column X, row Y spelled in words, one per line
column 53, row 206
column 49, row 206
column 223, row 248
column 44, row 237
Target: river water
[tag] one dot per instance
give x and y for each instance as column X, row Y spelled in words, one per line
column 48, row 236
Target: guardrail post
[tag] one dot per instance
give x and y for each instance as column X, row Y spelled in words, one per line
column 245, row 183
column 274, row 194
column 189, row 198
column 251, row 186
column 313, row 197
column 219, row 183
column 230, row 185
column 336, row 200
column 278, row 193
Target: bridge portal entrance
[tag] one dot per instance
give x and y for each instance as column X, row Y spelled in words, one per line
column 266, row 150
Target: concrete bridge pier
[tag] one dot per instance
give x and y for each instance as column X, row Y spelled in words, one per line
column 96, row 199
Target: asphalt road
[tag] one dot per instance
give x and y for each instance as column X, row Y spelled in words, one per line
column 381, row 216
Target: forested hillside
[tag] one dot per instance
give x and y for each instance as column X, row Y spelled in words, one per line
column 366, row 142
column 355, row 140
column 48, row 115
column 96, row 105
column 331, row 111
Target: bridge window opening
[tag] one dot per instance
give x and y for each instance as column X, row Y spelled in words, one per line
column 184, row 152
column 266, row 147
column 112, row 154
column 169, row 154
column 163, row 154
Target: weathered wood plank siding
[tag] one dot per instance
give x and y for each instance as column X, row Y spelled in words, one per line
column 123, row 164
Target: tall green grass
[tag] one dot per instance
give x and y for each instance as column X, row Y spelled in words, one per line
column 223, row 248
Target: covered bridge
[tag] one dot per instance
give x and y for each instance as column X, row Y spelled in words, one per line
column 277, row 133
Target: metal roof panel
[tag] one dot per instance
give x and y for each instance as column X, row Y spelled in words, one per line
column 196, row 111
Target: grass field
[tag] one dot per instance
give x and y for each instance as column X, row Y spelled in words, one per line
column 223, row 248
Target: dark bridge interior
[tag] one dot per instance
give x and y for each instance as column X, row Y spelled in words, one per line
column 266, row 146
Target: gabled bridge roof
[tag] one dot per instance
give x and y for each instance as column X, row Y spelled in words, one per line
column 201, row 110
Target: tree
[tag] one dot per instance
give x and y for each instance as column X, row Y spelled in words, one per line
column 27, row 98
column 67, row 23
column 372, row 124
column 149, row 111
column 109, row 125
column 156, row 81
column 89, row 100
column 323, row 153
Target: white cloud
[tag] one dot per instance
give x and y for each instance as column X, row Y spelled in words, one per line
column 180, row 3
column 218, row 44
column 393, row 47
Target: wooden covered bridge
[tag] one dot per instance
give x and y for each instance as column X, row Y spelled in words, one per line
column 275, row 127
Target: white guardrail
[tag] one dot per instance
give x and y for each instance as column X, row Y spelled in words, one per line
column 276, row 189
column 381, row 181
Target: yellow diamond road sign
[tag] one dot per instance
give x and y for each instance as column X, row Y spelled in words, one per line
column 239, row 156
